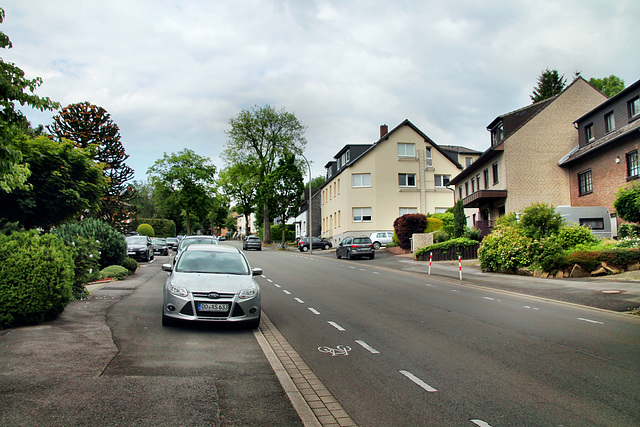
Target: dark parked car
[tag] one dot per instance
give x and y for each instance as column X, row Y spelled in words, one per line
column 318, row 243
column 252, row 242
column 172, row 243
column 355, row 247
column 160, row 246
column 140, row 247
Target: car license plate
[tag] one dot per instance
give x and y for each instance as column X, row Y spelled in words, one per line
column 213, row 307
column 131, row 253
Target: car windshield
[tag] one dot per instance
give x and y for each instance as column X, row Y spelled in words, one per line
column 186, row 242
column 212, row 262
column 137, row 240
column 161, row 241
column 361, row 241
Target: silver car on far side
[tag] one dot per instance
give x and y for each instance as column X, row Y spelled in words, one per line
column 211, row 283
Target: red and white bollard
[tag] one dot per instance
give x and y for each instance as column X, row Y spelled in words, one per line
column 460, row 265
column 430, row 259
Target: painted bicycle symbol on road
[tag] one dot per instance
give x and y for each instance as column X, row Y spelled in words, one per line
column 341, row 350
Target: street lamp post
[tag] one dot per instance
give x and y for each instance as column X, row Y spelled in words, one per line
column 309, row 207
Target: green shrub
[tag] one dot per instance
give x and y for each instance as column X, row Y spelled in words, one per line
column 473, row 234
column 289, row 233
column 572, row 235
column 440, row 236
column 433, row 224
column 112, row 244
column 505, row 249
column 406, row 226
column 545, row 251
column 629, row 230
column 36, row 278
column 457, row 243
column 86, row 256
column 627, row 203
column 161, row 227
column 146, row 230
column 130, row 264
column 589, row 260
column 114, row 272
column 554, row 263
column 540, row 220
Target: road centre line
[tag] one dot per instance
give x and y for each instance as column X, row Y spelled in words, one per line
column 335, row 325
column 276, row 285
column 299, row 300
column 590, row 321
column 269, row 280
column 367, row 347
column 286, row 292
column 313, row 310
column 481, row 423
column 418, row 381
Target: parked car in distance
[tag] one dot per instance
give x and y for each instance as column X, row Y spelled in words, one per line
column 381, row 238
column 200, row 240
column 211, row 283
column 355, row 247
column 160, row 246
column 140, row 247
column 172, row 243
column 252, row 242
column 318, row 243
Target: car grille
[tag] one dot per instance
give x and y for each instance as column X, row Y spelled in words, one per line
column 206, row 295
column 187, row 310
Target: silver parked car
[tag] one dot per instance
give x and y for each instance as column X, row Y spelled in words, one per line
column 355, row 247
column 381, row 238
column 211, row 283
column 252, row 242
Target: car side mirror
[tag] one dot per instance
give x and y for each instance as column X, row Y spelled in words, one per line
column 256, row 272
column 167, row 267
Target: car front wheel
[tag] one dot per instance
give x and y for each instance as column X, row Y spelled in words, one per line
column 376, row 245
column 338, row 254
column 326, row 247
column 305, row 249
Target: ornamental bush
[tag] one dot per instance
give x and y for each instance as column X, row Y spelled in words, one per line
column 406, row 226
column 573, row 235
column 433, row 224
column 114, row 272
column 458, row 243
column 146, row 230
column 86, row 257
column 540, row 220
column 504, row 249
column 36, row 278
column 130, row 264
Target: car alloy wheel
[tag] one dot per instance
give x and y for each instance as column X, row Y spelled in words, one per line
column 305, row 249
column 326, row 247
column 376, row 245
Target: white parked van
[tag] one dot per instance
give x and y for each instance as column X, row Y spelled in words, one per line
column 598, row 218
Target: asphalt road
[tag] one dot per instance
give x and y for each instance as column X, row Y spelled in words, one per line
column 396, row 348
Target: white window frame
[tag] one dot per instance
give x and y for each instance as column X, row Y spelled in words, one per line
column 429, row 158
column 359, row 180
column 361, row 214
column 609, row 122
column 440, row 177
column 405, row 211
column 406, row 180
column 403, row 152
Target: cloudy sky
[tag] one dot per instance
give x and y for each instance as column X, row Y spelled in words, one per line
column 173, row 72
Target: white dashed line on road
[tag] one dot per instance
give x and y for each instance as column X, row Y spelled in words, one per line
column 313, row 310
column 418, row 381
column 481, row 423
column 286, row 292
column 590, row 321
column 335, row 325
column 299, row 300
column 367, row 347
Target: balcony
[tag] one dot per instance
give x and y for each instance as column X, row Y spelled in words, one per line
column 483, row 197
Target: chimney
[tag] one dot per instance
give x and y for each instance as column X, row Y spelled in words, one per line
column 384, row 129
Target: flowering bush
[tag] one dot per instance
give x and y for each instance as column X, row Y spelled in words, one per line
column 505, row 249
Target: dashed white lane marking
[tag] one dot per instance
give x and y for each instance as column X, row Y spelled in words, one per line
column 286, row 292
column 367, row 347
column 375, row 272
column 276, row 285
column 313, row 310
column 590, row 321
column 418, row 381
column 299, row 300
column 335, row 325
column 481, row 423
column 530, row 308
column 269, row 280
column 455, row 290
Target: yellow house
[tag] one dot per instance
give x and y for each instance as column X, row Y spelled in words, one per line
column 369, row 186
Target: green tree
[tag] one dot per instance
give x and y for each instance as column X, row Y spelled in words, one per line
column 282, row 190
column 316, row 182
column 91, row 127
column 550, row 83
column 240, row 182
column 627, row 203
column 262, row 136
column 185, row 182
column 143, row 200
column 459, row 219
column 540, row 220
column 609, row 86
column 64, row 184
column 15, row 88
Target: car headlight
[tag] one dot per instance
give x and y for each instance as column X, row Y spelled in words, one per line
column 178, row 290
column 248, row 293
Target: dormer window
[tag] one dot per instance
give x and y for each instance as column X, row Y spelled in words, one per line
column 609, row 122
column 497, row 133
column 588, row 132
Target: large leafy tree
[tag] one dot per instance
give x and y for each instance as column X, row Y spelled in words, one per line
column 15, row 89
column 609, row 86
column 282, row 190
column 64, row 184
column 262, row 136
column 184, row 182
column 627, row 203
column 239, row 182
column 89, row 126
column 550, row 83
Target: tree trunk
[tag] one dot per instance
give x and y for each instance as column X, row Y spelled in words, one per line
column 188, row 225
column 267, row 225
column 283, row 224
column 248, row 228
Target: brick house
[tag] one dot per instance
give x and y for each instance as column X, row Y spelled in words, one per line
column 606, row 156
column 521, row 165
column 368, row 186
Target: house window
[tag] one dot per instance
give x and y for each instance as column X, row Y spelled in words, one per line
column 361, row 180
column 406, row 150
column 497, row 134
column 495, row 173
column 361, row 214
column 478, row 181
column 407, row 179
column 345, row 157
column 588, row 132
column 585, row 182
column 609, row 122
column 466, row 188
column 460, row 192
column 473, row 185
column 486, row 178
column 633, row 169
column 634, row 107
column 468, row 161
column 442, row 180
column 429, row 158
column 404, row 211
